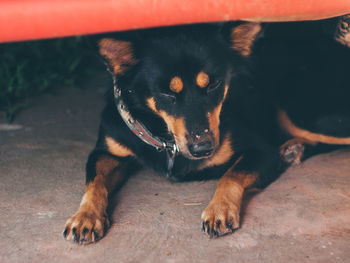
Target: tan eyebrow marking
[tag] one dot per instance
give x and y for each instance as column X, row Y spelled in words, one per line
column 202, row 79
column 176, row 84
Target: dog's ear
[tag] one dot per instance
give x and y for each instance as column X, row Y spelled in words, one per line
column 119, row 54
column 243, row 37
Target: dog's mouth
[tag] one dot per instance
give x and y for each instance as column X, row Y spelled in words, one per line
column 196, row 142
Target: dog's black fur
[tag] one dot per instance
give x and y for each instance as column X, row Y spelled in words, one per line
column 229, row 113
column 302, row 70
column 186, row 51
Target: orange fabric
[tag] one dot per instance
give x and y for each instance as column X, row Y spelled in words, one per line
column 33, row 19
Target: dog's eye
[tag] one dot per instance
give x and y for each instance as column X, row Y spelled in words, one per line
column 170, row 98
column 213, row 86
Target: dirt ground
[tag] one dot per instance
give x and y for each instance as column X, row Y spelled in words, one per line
column 302, row 217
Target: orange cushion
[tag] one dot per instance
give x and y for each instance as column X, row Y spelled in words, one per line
column 34, row 19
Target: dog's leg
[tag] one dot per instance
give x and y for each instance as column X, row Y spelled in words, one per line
column 104, row 173
column 222, row 214
column 255, row 168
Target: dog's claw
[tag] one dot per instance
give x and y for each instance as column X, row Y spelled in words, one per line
column 95, row 237
column 214, row 233
column 206, row 227
column 75, row 235
column 65, row 232
column 229, row 225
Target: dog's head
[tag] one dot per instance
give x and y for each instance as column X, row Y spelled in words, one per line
column 183, row 76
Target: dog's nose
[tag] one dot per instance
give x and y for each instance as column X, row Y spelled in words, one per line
column 201, row 149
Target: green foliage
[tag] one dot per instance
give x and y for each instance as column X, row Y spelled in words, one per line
column 31, row 68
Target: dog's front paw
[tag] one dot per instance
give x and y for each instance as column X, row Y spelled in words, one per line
column 85, row 227
column 220, row 217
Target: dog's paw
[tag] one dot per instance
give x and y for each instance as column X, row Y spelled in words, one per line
column 292, row 152
column 85, row 227
column 220, row 218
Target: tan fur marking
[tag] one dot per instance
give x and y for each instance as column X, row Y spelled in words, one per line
column 295, row 131
column 175, row 125
column 241, row 179
column 214, row 118
column 224, row 154
column 202, row 79
column 117, row 149
column 225, row 92
column 152, row 104
column 118, row 53
column 243, row 36
column 214, row 122
column 176, row 84
column 96, row 192
column 177, row 128
column 106, row 175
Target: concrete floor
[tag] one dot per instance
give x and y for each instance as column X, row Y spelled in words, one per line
column 302, row 217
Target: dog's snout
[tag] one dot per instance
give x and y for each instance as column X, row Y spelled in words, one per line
column 201, row 149
column 200, row 142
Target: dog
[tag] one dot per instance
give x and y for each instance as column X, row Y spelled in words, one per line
column 185, row 104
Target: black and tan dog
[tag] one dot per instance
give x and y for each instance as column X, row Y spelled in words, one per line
column 184, row 104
